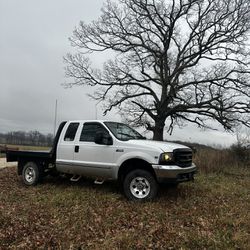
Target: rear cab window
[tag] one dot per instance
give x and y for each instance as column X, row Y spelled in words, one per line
column 71, row 131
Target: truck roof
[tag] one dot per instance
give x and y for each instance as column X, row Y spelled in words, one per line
column 81, row 121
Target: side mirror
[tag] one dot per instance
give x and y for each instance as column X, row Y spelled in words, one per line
column 103, row 138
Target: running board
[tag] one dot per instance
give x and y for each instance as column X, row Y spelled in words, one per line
column 98, row 182
column 75, row 178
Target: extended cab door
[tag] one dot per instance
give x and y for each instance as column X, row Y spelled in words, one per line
column 91, row 158
column 66, row 147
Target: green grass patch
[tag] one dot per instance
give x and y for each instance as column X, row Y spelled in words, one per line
column 211, row 213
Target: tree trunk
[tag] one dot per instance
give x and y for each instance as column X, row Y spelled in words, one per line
column 158, row 131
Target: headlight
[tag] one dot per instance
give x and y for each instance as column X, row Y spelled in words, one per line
column 166, row 158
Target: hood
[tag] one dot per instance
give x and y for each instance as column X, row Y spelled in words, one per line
column 162, row 145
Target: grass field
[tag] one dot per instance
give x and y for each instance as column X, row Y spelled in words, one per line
column 211, row 213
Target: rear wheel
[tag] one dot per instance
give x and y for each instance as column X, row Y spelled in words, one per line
column 31, row 174
column 140, row 185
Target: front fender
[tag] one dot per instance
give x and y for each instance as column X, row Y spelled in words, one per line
column 134, row 155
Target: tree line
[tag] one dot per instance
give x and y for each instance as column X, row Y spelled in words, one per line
column 30, row 138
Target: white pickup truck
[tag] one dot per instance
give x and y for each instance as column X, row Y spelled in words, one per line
column 108, row 151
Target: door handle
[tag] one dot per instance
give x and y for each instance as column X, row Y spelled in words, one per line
column 119, row 150
column 77, row 149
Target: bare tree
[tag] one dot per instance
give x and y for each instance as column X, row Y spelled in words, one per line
column 241, row 148
column 175, row 61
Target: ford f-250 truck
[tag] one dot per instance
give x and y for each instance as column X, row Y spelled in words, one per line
column 108, row 151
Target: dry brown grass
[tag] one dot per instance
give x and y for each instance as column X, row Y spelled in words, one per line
column 212, row 160
column 211, row 213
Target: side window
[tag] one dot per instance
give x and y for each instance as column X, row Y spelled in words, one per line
column 89, row 131
column 71, row 131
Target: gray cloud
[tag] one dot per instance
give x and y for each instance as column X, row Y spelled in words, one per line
column 34, row 39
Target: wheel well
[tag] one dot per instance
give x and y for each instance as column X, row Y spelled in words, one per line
column 20, row 166
column 21, row 163
column 133, row 164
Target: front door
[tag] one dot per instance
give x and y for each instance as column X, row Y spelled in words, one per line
column 93, row 159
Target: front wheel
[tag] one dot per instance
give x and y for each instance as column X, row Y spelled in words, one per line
column 31, row 174
column 140, row 185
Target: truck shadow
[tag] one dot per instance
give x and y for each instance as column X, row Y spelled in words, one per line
column 106, row 187
column 169, row 192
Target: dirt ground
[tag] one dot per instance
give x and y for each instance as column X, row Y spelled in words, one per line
column 4, row 164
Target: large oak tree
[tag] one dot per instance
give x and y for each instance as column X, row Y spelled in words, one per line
column 173, row 61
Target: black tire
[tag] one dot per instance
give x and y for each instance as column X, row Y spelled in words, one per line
column 31, row 174
column 140, row 185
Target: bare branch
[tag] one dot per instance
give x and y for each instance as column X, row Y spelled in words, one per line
column 182, row 61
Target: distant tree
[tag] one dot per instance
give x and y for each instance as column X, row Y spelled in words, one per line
column 174, row 62
column 49, row 139
column 241, row 149
column 34, row 138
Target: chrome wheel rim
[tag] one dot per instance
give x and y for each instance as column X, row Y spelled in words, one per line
column 29, row 174
column 140, row 187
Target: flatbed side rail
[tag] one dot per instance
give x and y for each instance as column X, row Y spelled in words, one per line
column 13, row 155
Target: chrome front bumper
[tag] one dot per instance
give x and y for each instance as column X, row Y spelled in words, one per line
column 174, row 172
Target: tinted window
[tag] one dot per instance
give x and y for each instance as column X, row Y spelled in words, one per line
column 89, row 131
column 71, row 131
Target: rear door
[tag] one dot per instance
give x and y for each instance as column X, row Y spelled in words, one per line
column 93, row 159
column 66, row 147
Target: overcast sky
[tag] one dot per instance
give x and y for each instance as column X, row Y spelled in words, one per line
column 34, row 38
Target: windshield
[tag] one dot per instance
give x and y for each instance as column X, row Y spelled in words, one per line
column 123, row 132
